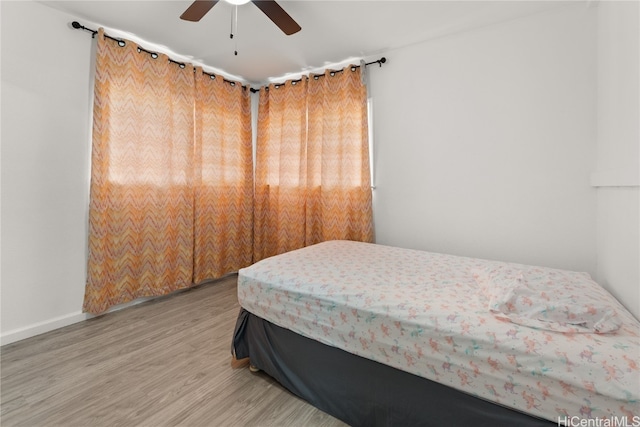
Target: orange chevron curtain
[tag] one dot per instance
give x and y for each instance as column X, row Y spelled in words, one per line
column 312, row 163
column 153, row 155
column 338, row 178
column 223, row 178
column 281, row 167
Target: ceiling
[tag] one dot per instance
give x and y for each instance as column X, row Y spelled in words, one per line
column 332, row 31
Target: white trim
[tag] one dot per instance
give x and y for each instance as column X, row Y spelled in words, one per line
column 59, row 322
column 616, row 178
column 42, row 327
column 69, row 319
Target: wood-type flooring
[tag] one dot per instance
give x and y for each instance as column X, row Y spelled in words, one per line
column 165, row 362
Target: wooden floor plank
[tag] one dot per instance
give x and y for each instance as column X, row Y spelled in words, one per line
column 160, row 363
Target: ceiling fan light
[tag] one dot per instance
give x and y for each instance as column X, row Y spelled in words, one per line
column 237, row 2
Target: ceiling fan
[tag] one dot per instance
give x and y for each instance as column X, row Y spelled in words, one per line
column 199, row 8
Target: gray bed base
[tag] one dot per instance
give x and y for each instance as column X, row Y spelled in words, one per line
column 359, row 391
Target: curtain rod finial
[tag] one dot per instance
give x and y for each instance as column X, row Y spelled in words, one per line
column 79, row 26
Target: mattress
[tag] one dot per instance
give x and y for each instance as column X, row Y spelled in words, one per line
column 426, row 314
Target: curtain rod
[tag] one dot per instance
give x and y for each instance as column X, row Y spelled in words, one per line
column 78, row 26
column 317, row 76
column 154, row 55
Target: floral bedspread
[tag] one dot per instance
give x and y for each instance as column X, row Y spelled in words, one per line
column 424, row 313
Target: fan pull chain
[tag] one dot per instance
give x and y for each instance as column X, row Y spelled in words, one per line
column 234, row 27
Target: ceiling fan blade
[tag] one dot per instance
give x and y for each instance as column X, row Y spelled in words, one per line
column 197, row 10
column 278, row 16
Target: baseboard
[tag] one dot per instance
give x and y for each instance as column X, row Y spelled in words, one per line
column 42, row 327
column 58, row 322
column 615, row 178
column 69, row 319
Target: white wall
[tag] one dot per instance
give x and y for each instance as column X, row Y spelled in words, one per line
column 485, row 141
column 45, row 168
column 618, row 174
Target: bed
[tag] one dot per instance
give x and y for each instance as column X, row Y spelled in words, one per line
column 378, row 335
